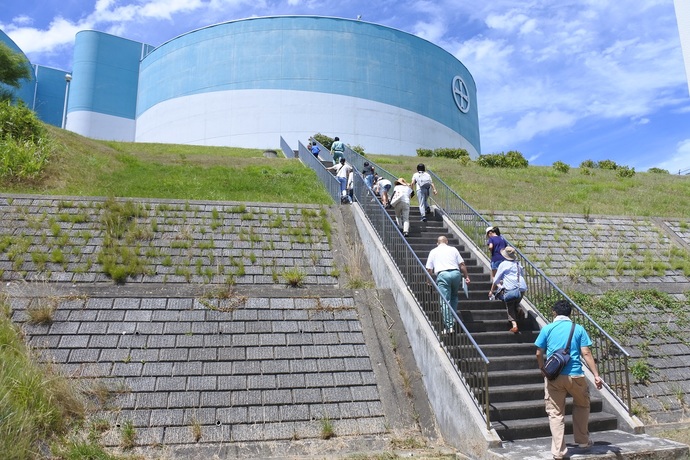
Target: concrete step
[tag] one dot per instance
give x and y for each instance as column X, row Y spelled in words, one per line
column 608, row 444
column 514, row 410
column 539, row 427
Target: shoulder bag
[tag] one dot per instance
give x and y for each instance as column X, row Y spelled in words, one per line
column 557, row 361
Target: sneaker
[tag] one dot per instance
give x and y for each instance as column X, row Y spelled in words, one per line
column 447, row 331
column 424, row 219
column 405, row 234
column 589, row 444
column 428, row 210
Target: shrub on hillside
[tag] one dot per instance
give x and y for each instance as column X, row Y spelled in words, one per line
column 357, row 148
column 455, row 154
column 624, row 171
column 24, row 149
column 512, row 159
column 427, row 153
column 658, row 171
column 588, row 164
column 561, row 167
column 323, row 140
column 607, row 164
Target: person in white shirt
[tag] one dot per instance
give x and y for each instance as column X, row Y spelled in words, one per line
column 446, row 263
column 381, row 187
column 342, row 172
column 401, row 203
column 424, row 185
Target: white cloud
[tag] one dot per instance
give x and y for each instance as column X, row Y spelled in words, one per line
column 59, row 33
column 679, row 160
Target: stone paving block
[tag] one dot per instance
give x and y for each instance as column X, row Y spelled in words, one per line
column 176, row 328
column 279, row 431
column 124, row 369
column 324, row 411
column 158, row 369
column 125, row 303
column 63, row 328
column 245, row 340
column 178, row 435
column 232, row 382
column 187, row 399
column 266, row 340
column 302, row 366
column 259, row 353
column 274, row 396
column 331, row 364
column 365, row 393
column 346, row 427
column 232, row 415
column 275, row 367
column 74, row 341
column 271, row 315
column 132, row 340
column 262, row 414
column 201, row 415
column 84, row 355
column 153, row 400
column 246, row 398
column 315, row 351
column 92, row 328
column 338, row 394
column 177, row 383
column 336, row 351
column 81, row 315
column 111, row 315
column 261, row 382
column 347, row 378
column 289, row 352
column 141, row 384
column 153, row 304
column 355, row 409
column 202, row 383
column 187, row 368
column 163, row 341
column 298, row 339
column 189, row 341
column 319, row 380
column 139, row 418
column 357, row 364
column 96, row 370
column 254, row 432
column 295, row 315
column 217, row 398
column 138, row 316
column 230, row 354
column 371, row 426
column 308, row 429
column 179, row 304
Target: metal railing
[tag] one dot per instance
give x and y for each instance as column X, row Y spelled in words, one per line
column 325, row 176
column 467, row 358
column 287, row 151
column 611, row 358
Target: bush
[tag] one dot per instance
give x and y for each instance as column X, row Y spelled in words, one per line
column 588, row 164
column 357, row 148
column 324, row 140
column 607, row 164
column 658, row 171
column 561, row 167
column 624, row 171
column 512, row 159
column 19, row 123
column 426, row 153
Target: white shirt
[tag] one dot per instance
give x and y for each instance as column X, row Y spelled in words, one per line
column 344, row 171
column 444, row 257
column 405, row 191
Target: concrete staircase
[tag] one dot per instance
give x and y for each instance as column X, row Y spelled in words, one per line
column 516, row 386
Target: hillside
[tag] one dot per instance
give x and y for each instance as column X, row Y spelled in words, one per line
column 86, row 167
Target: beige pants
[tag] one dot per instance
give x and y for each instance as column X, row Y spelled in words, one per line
column 555, row 392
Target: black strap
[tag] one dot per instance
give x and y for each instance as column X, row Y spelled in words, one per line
column 570, row 337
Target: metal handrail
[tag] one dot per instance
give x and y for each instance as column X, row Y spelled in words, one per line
column 467, row 358
column 542, row 293
column 287, row 151
column 325, row 176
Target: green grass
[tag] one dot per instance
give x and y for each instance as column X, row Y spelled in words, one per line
column 35, row 401
column 541, row 189
column 87, row 167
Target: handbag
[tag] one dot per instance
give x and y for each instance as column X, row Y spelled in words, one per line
column 557, row 361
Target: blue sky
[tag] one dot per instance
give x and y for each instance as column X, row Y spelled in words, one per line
column 558, row 81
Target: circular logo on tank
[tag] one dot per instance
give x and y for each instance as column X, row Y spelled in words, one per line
column 461, row 95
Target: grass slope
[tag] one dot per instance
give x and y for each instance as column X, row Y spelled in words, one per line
column 87, row 167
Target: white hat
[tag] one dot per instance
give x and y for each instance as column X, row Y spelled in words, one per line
column 489, row 229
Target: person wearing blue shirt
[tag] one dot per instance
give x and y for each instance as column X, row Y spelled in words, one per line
column 571, row 381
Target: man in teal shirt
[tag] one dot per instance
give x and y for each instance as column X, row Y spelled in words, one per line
column 337, row 150
column 571, row 381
